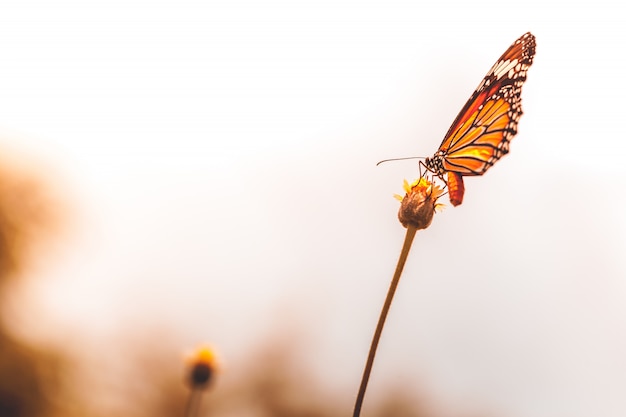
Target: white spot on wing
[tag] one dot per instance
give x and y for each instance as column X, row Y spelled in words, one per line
column 505, row 67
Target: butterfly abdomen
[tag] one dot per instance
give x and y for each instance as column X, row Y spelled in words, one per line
column 456, row 188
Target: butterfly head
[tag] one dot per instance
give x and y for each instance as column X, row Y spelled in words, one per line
column 435, row 164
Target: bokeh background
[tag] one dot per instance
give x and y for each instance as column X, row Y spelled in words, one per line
column 173, row 173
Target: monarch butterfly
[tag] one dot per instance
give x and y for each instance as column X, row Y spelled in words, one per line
column 480, row 134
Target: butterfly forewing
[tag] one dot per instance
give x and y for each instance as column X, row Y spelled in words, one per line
column 480, row 134
column 502, row 84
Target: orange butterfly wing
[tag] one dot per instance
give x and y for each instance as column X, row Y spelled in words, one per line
column 481, row 133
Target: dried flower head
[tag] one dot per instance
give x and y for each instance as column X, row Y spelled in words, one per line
column 419, row 204
column 202, row 366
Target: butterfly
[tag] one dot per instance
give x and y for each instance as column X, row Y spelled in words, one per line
column 481, row 133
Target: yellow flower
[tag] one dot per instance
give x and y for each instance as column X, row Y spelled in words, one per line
column 202, row 366
column 419, row 204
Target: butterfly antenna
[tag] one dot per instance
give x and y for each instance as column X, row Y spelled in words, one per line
column 399, row 159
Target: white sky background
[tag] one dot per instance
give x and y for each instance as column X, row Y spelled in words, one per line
column 221, row 161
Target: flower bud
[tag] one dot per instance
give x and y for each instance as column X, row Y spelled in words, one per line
column 419, row 204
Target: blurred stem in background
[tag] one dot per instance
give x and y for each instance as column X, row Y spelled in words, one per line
column 202, row 368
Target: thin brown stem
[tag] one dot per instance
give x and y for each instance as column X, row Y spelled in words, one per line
column 193, row 402
column 408, row 240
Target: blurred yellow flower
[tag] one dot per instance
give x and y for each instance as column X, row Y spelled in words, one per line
column 202, row 364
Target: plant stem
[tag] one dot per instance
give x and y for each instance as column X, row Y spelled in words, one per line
column 408, row 240
column 193, row 403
